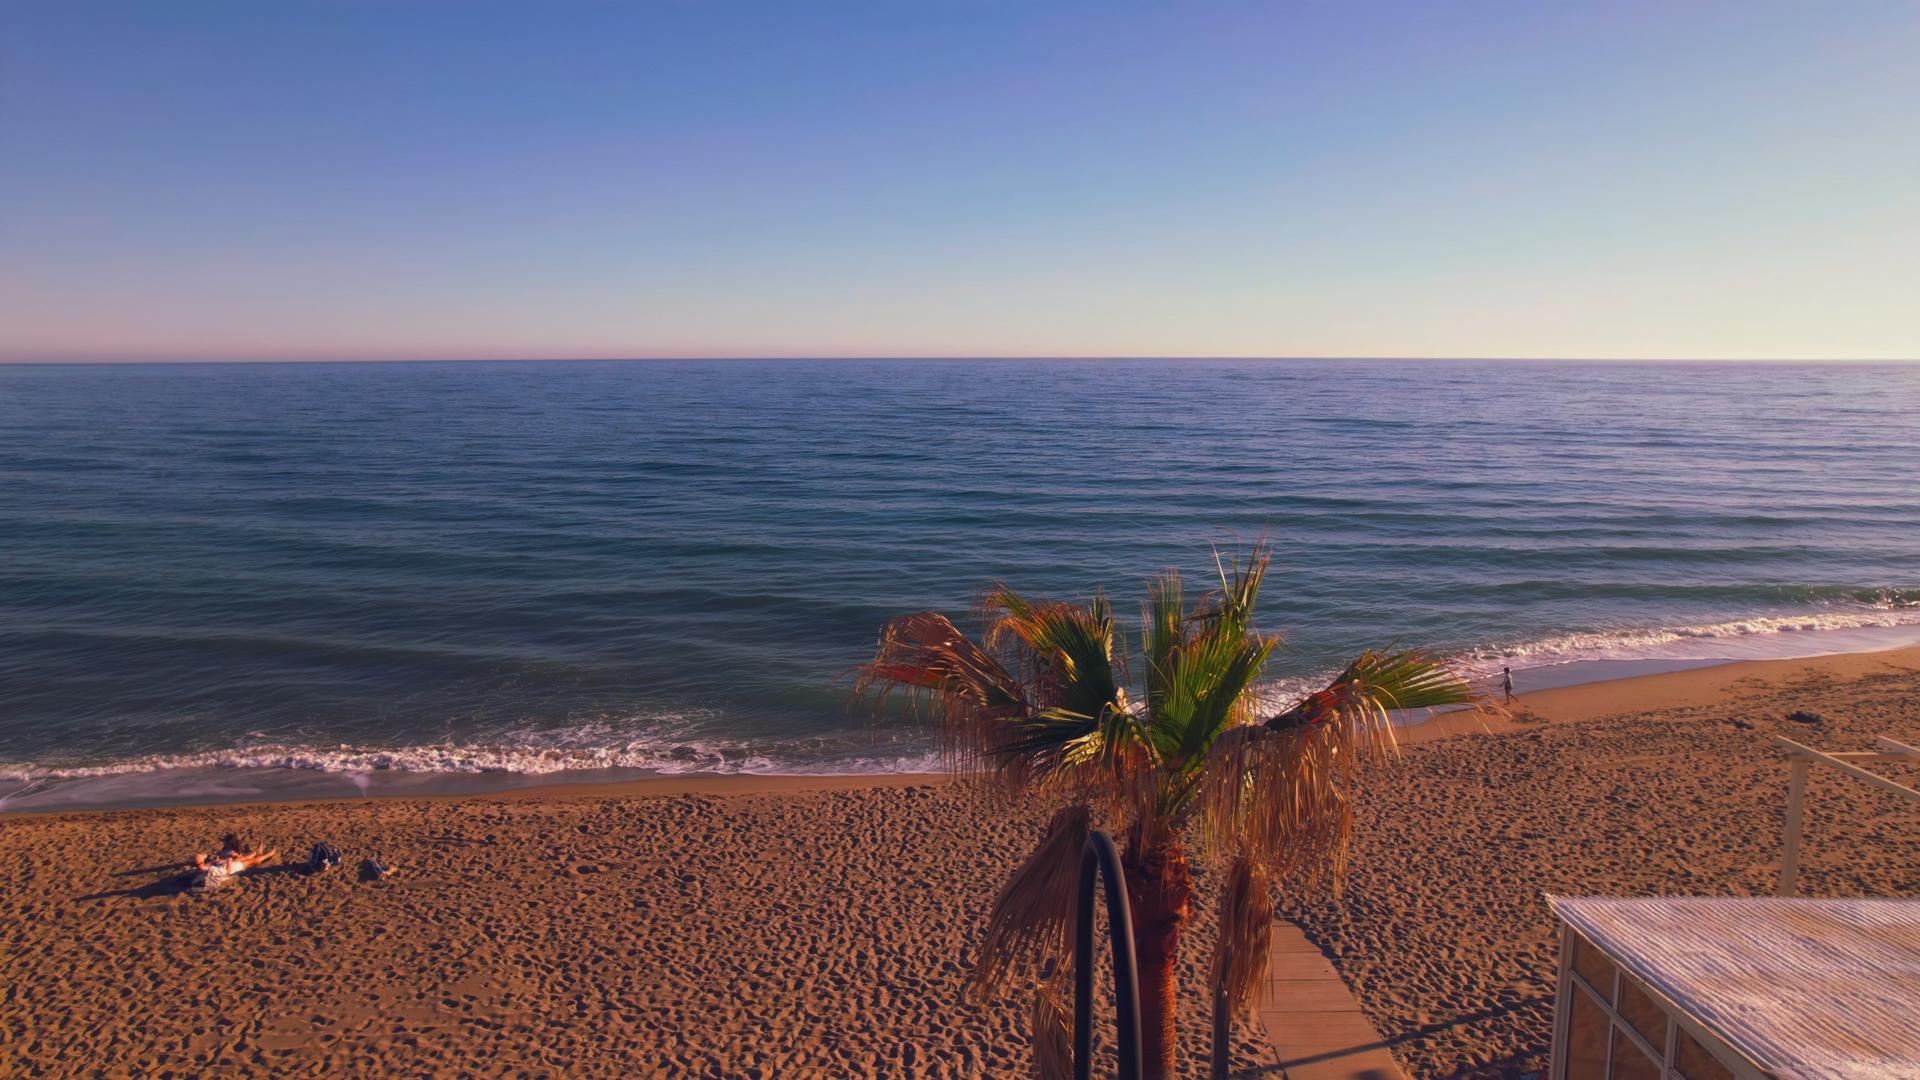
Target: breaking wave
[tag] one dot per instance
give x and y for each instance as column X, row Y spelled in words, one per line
column 597, row 747
column 605, row 746
column 1755, row 637
column 1699, row 641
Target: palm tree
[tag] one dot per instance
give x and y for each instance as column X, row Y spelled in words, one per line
column 1043, row 707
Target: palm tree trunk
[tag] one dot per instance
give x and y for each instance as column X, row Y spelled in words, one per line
column 1159, row 897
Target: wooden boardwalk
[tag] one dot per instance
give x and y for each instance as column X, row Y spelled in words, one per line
column 1316, row 1029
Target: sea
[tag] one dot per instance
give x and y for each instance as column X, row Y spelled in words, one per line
column 356, row 573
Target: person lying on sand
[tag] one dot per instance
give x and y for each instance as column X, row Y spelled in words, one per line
column 232, row 859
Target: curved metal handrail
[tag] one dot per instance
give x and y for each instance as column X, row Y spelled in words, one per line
column 1099, row 858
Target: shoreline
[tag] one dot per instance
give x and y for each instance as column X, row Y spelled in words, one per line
column 816, row 926
column 1692, row 687
column 1699, row 683
column 424, row 787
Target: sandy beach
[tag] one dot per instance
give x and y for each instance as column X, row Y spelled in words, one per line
column 661, row 540
column 1632, row 787
column 794, row 927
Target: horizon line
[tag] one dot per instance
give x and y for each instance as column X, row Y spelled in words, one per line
column 104, row 361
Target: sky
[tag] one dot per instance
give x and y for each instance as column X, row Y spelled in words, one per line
column 186, row 180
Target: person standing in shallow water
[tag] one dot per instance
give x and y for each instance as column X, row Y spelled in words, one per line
column 1506, row 683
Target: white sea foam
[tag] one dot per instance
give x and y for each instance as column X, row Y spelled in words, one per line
column 605, row 746
column 663, row 757
column 1754, row 636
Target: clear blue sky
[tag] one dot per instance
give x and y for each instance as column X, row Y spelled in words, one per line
column 925, row 177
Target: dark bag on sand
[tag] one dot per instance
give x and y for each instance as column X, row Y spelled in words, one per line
column 324, row 857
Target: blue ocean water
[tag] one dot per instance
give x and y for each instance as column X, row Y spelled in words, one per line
column 674, row 565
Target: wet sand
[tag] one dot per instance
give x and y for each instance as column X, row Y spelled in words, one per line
column 820, row 927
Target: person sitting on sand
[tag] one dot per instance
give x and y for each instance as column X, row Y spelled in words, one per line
column 233, row 858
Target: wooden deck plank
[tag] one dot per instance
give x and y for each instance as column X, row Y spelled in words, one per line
column 1316, row 1029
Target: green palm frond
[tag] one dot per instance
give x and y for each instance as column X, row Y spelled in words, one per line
column 1207, row 675
column 1214, row 676
column 1050, row 735
column 1069, row 649
column 1043, row 703
column 1162, row 635
column 1239, row 591
column 1377, row 683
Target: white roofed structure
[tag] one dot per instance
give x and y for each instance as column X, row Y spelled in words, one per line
column 1693, row 988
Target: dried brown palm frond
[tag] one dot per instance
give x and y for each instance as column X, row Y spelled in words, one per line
column 1282, row 790
column 1043, row 704
column 1246, row 929
column 1032, row 920
column 1052, row 1027
column 1280, row 798
column 964, row 688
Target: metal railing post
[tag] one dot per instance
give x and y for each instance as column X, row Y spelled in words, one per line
column 1099, row 859
column 1222, row 1032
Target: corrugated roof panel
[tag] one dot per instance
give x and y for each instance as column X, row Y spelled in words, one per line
column 1805, row 988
